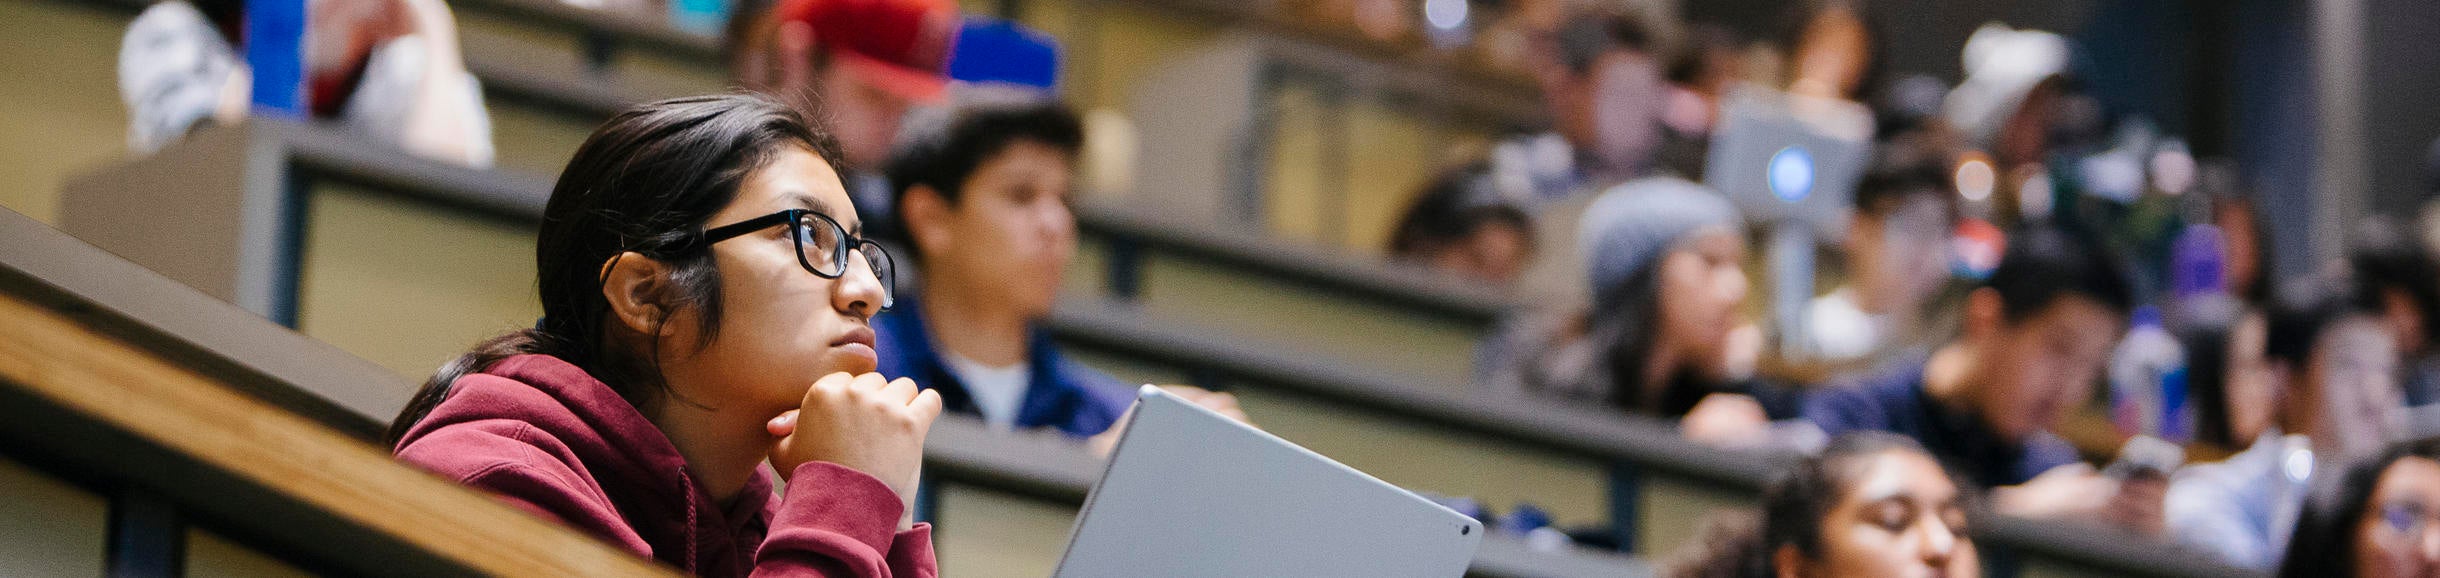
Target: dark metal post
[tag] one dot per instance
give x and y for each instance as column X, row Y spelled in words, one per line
column 1626, row 503
column 1126, row 276
column 146, row 538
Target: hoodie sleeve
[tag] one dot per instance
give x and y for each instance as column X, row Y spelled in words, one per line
column 837, row 522
column 503, row 462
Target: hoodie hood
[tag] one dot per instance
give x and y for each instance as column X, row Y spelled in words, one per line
column 548, row 405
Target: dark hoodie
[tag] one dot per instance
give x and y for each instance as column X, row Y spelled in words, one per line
column 543, row 435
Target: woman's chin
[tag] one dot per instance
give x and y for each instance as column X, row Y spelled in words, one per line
column 852, row 358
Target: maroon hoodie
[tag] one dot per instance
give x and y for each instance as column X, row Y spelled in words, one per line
column 543, row 435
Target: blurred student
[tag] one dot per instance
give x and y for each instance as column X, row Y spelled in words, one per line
column 860, row 63
column 1458, row 225
column 386, row 69
column 2322, row 396
column 2377, row 521
column 1897, row 252
column 984, row 197
column 1870, row 505
column 705, row 298
column 2399, row 277
column 1709, row 62
column 1830, row 49
column 1601, row 74
column 2035, row 337
column 2229, row 377
column 1602, row 82
column 1665, row 260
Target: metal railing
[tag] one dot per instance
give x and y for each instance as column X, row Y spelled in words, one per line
column 185, row 410
column 515, row 76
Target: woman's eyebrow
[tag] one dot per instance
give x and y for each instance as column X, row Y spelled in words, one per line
column 807, row 202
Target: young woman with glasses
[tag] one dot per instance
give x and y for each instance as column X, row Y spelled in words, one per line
column 2381, row 519
column 1871, row 504
column 706, row 295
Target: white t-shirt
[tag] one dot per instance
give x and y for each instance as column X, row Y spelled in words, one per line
column 999, row 392
column 1838, row 329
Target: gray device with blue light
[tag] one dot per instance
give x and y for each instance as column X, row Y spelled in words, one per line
column 1784, row 158
column 1190, row 493
column 1791, row 164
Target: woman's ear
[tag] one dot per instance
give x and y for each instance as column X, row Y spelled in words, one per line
column 1787, row 562
column 633, row 284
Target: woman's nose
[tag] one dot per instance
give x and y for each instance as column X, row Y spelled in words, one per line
column 2428, row 545
column 860, row 292
column 1733, row 284
column 1939, row 542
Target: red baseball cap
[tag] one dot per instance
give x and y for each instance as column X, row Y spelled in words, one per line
column 901, row 46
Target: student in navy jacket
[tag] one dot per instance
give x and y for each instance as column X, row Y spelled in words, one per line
column 983, row 192
column 2036, row 336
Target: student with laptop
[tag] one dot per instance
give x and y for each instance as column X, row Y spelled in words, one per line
column 706, row 294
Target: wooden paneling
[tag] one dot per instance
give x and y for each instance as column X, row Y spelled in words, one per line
column 50, row 357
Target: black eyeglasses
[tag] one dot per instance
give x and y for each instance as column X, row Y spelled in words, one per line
column 822, row 246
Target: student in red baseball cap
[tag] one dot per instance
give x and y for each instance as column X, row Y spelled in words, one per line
column 860, row 63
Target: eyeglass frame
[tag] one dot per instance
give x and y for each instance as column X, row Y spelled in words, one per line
column 2423, row 518
column 793, row 219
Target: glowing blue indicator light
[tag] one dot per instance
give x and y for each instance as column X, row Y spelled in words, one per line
column 1791, row 174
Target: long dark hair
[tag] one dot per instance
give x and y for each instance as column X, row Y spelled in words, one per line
column 2204, row 326
column 1454, row 205
column 1626, row 323
column 643, row 182
column 2324, row 541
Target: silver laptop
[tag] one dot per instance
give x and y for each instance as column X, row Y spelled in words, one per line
column 1190, row 493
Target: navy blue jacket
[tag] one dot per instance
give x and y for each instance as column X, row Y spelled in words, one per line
column 1062, row 394
column 1896, row 402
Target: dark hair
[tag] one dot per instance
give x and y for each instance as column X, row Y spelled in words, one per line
column 2385, row 257
column 1455, row 205
column 1694, row 55
column 1582, row 39
column 2323, row 543
column 1628, row 325
column 2044, row 265
column 974, row 135
column 1794, row 504
column 1890, row 184
column 2203, row 326
column 2303, row 308
column 643, row 182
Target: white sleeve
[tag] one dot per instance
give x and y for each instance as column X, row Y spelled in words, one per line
column 173, row 65
column 384, row 103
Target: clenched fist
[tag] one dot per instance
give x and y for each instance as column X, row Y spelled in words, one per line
column 863, row 422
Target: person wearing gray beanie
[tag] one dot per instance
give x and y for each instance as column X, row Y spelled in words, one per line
column 1633, row 224
column 1664, row 258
